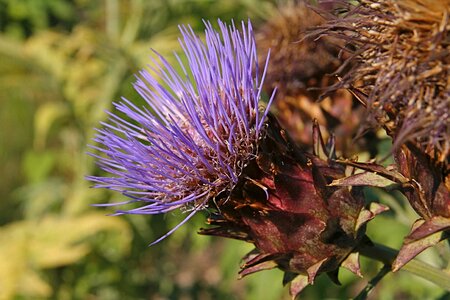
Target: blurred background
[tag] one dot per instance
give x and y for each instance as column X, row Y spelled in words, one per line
column 62, row 63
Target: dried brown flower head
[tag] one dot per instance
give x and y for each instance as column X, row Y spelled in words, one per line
column 401, row 55
column 401, row 51
column 296, row 64
column 300, row 67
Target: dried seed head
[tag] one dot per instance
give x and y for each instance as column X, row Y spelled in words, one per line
column 401, row 51
column 402, row 63
column 300, row 68
column 296, row 63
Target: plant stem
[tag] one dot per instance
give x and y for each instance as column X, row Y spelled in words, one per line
column 372, row 283
column 387, row 255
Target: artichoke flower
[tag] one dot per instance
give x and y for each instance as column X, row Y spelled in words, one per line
column 192, row 138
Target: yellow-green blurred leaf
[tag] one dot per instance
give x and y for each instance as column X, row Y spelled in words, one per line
column 37, row 165
column 29, row 246
column 46, row 115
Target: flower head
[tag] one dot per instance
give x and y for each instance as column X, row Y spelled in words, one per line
column 297, row 62
column 192, row 138
column 400, row 50
column 300, row 68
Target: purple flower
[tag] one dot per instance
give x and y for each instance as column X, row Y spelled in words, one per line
column 196, row 132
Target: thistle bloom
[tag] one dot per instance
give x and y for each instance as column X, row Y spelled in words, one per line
column 192, row 138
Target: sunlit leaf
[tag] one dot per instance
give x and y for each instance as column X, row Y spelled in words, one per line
column 54, row 241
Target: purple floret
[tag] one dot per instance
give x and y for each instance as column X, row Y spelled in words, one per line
column 197, row 130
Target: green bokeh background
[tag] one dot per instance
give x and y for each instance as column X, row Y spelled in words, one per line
column 62, row 63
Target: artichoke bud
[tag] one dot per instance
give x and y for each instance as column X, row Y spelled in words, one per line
column 283, row 204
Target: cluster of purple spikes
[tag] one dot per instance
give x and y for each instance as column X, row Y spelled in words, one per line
column 196, row 132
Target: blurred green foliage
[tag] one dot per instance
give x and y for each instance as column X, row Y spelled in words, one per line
column 62, row 63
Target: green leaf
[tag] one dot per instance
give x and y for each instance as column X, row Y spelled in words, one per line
column 37, row 165
column 54, row 241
